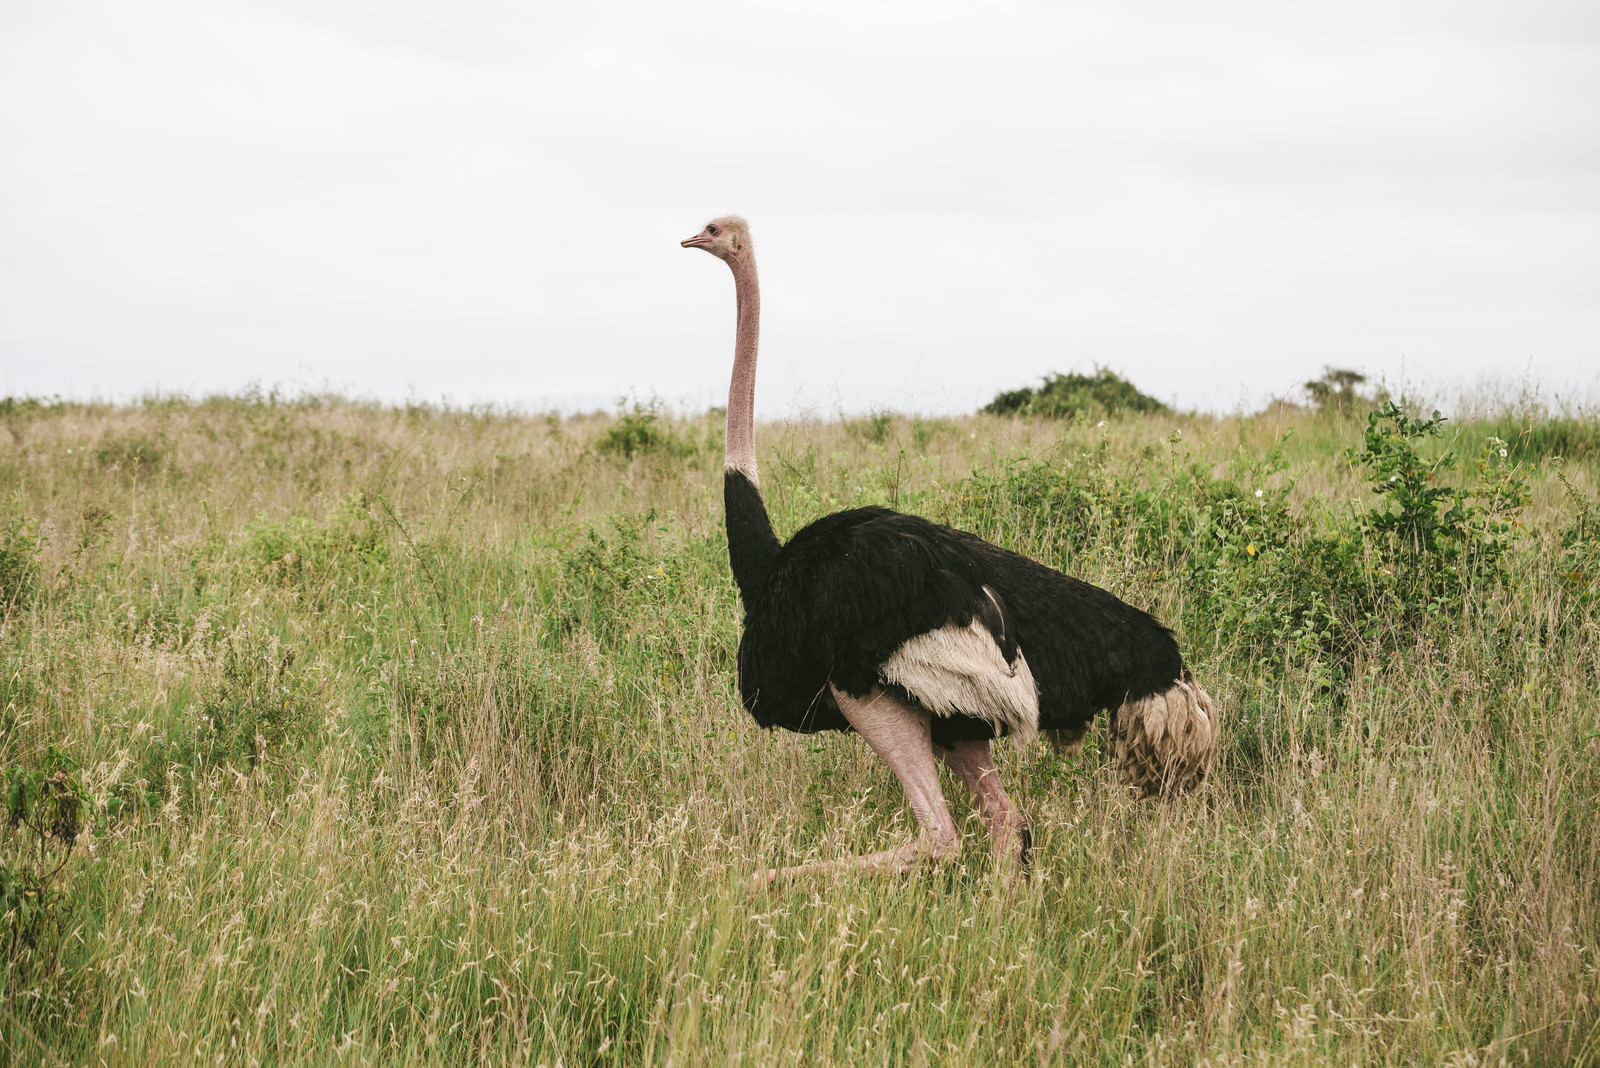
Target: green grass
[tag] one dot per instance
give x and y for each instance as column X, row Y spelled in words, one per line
column 411, row 736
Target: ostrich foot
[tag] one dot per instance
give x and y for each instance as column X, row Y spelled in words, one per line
column 927, row 852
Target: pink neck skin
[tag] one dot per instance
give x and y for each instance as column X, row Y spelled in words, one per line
column 741, row 437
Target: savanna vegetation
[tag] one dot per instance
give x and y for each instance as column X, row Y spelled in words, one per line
column 344, row 734
column 1075, row 396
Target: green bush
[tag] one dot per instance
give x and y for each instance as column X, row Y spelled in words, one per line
column 46, row 808
column 1434, row 538
column 1075, row 396
column 1335, row 393
column 641, row 430
column 258, row 709
column 614, row 581
column 1572, row 439
column 300, row 552
column 1281, row 585
column 19, row 563
column 132, row 454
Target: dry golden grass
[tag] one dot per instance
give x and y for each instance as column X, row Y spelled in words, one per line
column 412, row 738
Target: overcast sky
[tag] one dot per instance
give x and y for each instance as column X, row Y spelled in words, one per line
column 482, row 202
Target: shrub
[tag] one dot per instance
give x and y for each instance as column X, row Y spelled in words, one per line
column 615, row 581
column 1075, row 396
column 299, row 552
column 1281, row 585
column 49, row 806
column 640, row 429
column 132, row 454
column 258, row 707
column 1572, row 439
column 1336, row 393
column 19, row 564
column 1433, row 537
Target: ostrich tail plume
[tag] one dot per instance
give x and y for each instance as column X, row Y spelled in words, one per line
column 1165, row 743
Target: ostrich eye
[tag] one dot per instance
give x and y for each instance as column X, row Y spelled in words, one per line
column 712, row 230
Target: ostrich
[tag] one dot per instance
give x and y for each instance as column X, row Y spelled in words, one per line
column 930, row 642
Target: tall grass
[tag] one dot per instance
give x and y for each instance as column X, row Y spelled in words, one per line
column 410, row 736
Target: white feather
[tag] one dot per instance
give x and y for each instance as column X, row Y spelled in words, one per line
column 961, row 671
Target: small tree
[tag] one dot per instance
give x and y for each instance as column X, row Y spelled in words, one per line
column 1435, row 536
column 1336, row 391
column 1075, row 396
column 45, row 809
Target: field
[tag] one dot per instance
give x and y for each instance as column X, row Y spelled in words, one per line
column 347, row 734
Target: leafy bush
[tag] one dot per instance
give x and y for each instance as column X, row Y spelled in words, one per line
column 258, row 707
column 1571, row 439
column 1336, row 393
column 1434, row 537
column 132, row 454
column 19, row 563
column 1283, row 586
column 641, row 429
column 299, row 552
column 1075, row 396
column 48, row 803
column 615, row 581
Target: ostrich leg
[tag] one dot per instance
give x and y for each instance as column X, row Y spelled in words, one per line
column 902, row 736
column 974, row 762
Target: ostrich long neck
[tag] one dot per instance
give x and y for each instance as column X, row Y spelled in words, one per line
column 752, row 546
column 741, row 441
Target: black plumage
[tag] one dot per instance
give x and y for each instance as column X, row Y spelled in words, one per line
column 836, row 601
column 930, row 642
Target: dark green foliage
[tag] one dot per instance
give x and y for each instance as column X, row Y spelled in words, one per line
column 48, row 798
column 1433, row 537
column 615, row 582
column 1283, row 587
column 1579, row 564
column 1058, row 508
column 257, row 709
column 1336, row 393
column 19, row 563
column 1253, row 574
column 133, row 454
column 1577, row 440
column 47, row 804
column 1428, row 518
column 1075, row 396
column 299, row 552
column 640, row 429
column 874, row 428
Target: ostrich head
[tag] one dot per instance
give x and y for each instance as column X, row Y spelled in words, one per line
column 727, row 238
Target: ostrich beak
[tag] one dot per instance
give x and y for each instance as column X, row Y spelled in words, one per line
column 697, row 241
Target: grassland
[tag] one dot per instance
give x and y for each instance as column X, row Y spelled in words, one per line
column 397, row 736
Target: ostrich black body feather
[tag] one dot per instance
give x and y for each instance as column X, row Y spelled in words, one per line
column 836, row 601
